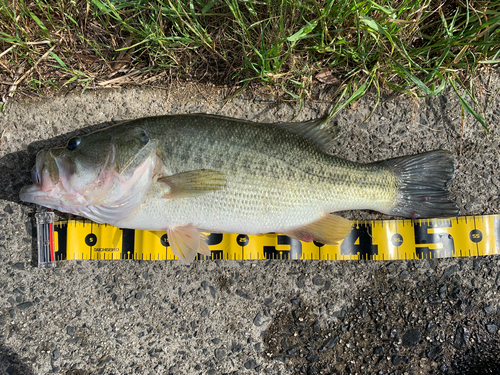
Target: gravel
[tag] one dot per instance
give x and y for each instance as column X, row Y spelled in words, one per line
column 241, row 317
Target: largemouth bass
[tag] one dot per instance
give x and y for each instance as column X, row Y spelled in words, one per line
column 185, row 174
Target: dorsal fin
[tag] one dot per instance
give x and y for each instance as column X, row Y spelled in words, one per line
column 317, row 131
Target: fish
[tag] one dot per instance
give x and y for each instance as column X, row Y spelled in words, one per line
column 194, row 173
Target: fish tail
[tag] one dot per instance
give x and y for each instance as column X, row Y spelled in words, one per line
column 423, row 180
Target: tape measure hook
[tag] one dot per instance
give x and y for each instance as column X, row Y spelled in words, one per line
column 45, row 239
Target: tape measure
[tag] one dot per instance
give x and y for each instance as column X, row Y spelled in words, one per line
column 369, row 239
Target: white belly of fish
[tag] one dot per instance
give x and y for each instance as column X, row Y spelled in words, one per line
column 258, row 209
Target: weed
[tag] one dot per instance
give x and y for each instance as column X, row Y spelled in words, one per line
column 416, row 47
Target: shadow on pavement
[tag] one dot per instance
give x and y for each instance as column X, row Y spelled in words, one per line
column 11, row 364
column 16, row 167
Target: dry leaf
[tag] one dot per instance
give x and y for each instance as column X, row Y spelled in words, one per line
column 85, row 58
column 122, row 79
column 326, row 76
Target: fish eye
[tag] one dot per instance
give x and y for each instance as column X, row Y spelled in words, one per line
column 74, row 143
column 144, row 137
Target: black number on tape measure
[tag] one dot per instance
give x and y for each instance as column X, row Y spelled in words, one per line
column 90, row 239
column 128, row 244
column 475, row 235
column 295, row 251
column 214, row 239
column 397, row 239
column 359, row 241
column 164, row 240
column 62, row 236
column 423, row 237
column 242, row 240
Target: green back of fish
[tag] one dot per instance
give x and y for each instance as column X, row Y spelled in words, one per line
column 268, row 163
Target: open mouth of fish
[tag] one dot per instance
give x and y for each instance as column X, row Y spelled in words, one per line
column 48, row 181
column 61, row 183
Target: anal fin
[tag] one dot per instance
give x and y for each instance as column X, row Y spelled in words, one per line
column 330, row 229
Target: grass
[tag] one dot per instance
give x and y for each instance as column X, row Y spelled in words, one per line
column 417, row 47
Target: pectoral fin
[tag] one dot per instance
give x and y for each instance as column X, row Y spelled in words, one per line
column 330, row 229
column 193, row 183
column 186, row 242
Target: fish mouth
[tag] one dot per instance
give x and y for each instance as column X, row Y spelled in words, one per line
column 53, row 186
column 46, row 178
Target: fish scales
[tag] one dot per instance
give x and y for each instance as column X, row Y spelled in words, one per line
column 191, row 173
column 273, row 176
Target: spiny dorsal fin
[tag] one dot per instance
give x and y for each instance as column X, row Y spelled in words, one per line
column 317, row 131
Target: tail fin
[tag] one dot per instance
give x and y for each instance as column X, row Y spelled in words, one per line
column 423, row 183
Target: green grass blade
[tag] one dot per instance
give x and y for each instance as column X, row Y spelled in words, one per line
column 422, row 86
column 208, row 6
column 61, row 63
column 374, row 25
column 303, row 32
column 468, row 108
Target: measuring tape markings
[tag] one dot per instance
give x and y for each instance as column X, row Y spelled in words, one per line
column 371, row 240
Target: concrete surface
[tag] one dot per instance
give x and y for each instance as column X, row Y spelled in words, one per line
column 270, row 317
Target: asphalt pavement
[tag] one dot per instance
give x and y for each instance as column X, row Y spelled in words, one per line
column 253, row 317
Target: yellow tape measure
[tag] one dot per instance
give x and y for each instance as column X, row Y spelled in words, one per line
column 370, row 239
